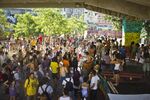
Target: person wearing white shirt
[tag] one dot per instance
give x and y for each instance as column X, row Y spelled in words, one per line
column 49, row 89
column 71, row 94
column 16, row 75
column 94, row 85
column 45, row 88
column 64, row 81
column 1, row 58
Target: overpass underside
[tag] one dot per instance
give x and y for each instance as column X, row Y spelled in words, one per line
column 131, row 8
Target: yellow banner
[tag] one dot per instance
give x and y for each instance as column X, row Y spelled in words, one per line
column 130, row 37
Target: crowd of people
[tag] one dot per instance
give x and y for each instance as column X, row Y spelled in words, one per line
column 44, row 64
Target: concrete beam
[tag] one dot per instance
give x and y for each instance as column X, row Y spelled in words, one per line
column 40, row 1
column 141, row 2
column 41, row 5
column 122, row 6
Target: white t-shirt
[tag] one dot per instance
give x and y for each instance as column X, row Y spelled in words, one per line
column 117, row 67
column 49, row 89
column 16, row 76
column 94, row 80
column 64, row 98
column 64, row 81
column 1, row 60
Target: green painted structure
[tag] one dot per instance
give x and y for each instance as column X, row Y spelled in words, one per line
column 131, row 30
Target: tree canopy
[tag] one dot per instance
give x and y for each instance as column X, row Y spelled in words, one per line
column 47, row 21
column 3, row 22
column 25, row 26
column 116, row 21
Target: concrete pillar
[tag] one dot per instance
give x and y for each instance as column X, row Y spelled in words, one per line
column 131, row 31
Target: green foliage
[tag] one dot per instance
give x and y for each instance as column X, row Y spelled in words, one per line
column 47, row 21
column 25, row 26
column 147, row 27
column 76, row 25
column 145, row 32
column 117, row 22
column 3, row 23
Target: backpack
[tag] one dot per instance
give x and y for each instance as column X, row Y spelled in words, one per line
column 45, row 94
column 69, row 85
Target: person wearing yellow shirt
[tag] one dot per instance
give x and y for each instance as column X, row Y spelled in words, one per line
column 33, row 42
column 54, row 68
column 31, row 86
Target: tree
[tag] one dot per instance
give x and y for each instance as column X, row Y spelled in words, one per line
column 51, row 21
column 116, row 21
column 147, row 27
column 3, row 23
column 76, row 25
column 145, row 32
column 25, row 26
column 47, row 21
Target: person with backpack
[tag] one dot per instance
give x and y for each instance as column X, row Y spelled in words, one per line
column 76, row 84
column 68, row 85
column 45, row 90
column 31, row 85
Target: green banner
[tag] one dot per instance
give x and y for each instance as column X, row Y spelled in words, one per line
column 132, row 30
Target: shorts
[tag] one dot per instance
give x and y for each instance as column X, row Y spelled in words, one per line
column 146, row 67
column 116, row 71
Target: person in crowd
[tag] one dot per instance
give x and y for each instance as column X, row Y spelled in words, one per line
column 138, row 53
column 33, row 42
column 46, row 62
column 63, row 71
column 97, row 67
column 122, row 52
column 85, row 89
column 99, row 48
column 1, row 58
column 20, row 57
column 65, row 96
column 74, row 62
column 31, row 86
column 68, row 58
column 106, row 61
column 45, row 90
column 54, row 68
column 118, row 63
column 76, row 84
column 132, row 51
column 146, row 64
column 94, row 85
column 12, row 90
column 68, row 85
column 66, row 62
